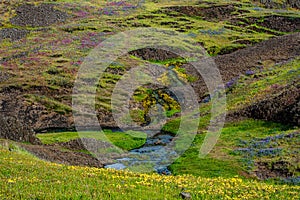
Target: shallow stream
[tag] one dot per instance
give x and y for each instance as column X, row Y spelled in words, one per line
column 152, row 155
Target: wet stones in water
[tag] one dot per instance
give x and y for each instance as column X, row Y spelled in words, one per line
column 12, row 34
column 117, row 166
column 149, row 154
column 42, row 15
column 163, row 171
column 185, row 195
column 159, row 140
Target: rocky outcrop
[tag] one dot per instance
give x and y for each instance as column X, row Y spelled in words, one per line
column 55, row 154
column 13, row 33
column 13, row 129
column 36, row 116
column 283, row 107
column 36, row 16
column 153, row 54
column 284, row 4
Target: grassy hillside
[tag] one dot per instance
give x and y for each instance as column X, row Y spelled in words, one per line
column 43, row 180
column 254, row 44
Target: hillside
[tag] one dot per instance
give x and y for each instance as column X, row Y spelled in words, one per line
column 43, row 180
column 48, row 78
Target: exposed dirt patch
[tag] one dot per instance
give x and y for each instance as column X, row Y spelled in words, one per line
column 13, row 33
column 55, row 154
column 78, row 144
column 212, row 13
column 274, row 22
column 36, row 115
column 13, row 129
column 283, row 4
column 102, row 150
column 42, row 15
column 265, row 170
column 283, row 107
column 153, row 54
column 281, row 23
column 276, row 49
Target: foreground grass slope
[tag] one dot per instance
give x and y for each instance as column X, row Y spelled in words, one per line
column 37, row 72
column 43, row 180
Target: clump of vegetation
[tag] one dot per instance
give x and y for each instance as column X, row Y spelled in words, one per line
column 50, row 104
column 124, row 140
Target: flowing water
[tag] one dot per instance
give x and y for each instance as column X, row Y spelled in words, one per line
column 152, row 154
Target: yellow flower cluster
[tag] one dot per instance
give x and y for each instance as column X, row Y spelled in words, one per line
column 32, row 173
column 225, row 188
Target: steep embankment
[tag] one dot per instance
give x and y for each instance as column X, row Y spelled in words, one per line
column 44, row 180
column 45, row 49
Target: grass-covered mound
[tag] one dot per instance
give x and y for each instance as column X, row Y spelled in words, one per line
column 43, row 180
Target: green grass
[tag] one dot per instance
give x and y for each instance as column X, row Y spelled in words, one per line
column 124, row 140
column 190, row 163
column 249, row 129
column 49, row 103
column 220, row 162
column 270, row 80
column 36, row 72
column 23, row 176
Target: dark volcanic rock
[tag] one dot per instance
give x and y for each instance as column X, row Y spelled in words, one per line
column 216, row 12
column 281, row 23
column 276, row 49
column 283, row 108
column 153, row 54
column 54, row 154
column 277, row 169
column 13, row 129
column 284, row 4
column 12, row 33
column 78, row 144
column 211, row 13
column 42, row 15
column 103, row 150
column 36, row 115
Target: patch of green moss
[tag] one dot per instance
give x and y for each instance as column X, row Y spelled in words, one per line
column 49, row 103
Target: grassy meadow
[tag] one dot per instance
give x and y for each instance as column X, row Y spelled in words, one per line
column 254, row 158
